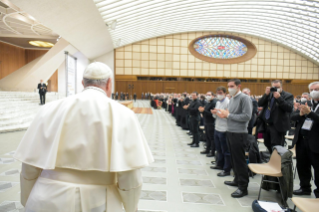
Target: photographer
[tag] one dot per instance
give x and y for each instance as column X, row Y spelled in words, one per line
column 277, row 106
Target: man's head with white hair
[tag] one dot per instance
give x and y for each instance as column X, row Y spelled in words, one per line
column 246, row 91
column 98, row 75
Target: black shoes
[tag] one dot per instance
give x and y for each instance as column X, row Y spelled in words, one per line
column 205, row 152
column 230, row 183
column 302, row 192
column 191, row 143
column 195, row 145
column 216, row 167
column 209, row 155
column 223, row 174
column 239, row 193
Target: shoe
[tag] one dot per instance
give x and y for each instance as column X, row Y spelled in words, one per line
column 213, row 162
column 239, row 193
column 230, row 183
column 204, row 152
column 223, row 174
column 216, row 167
column 195, row 145
column 191, row 144
column 189, row 133
column 209, row 155
column 302, row 192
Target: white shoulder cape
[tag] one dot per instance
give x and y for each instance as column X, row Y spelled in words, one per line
column 88, row 131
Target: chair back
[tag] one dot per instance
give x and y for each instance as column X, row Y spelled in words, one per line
column 275, row 161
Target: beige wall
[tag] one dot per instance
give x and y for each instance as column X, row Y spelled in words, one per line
column 169, row 56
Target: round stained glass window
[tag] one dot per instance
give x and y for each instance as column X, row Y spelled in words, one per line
column 225, row 49
column 220, row 47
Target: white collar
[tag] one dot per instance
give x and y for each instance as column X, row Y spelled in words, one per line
column 94, row 88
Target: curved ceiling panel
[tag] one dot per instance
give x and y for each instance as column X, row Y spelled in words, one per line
column 291, row 23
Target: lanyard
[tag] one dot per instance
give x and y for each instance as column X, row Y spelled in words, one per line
column 315, row 108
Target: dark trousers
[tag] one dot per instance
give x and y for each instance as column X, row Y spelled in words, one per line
column 237, row 143
column 272, row 137
column 305, row 159
column 135, row 99
column 210, row 132
column 42, row 98
column 194, row 122
column 223, row 159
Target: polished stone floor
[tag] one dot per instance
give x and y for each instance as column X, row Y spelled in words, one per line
column 179, row 180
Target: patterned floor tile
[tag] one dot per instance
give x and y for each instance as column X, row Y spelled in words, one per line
column 159, row 160
column 195, row 182
column 188, row 162
column 154, row 195
column 6, row 160
column 154, row 169
column 161, row 154
column 11, row 172
column 185, row 155
column 10, row 153
column 154, row 180
column 212, row 199
column 4, row 185
column 9, row 206
column 192, row 171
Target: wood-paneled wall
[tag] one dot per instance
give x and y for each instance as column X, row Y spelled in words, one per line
column 200, row 87
column 12, row 58
column 33, row 54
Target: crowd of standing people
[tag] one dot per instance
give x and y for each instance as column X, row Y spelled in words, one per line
column 230, row 118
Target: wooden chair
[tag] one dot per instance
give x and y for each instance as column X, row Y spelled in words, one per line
column 305, row 204
column 272, row 168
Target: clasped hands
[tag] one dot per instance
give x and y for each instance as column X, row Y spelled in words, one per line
column 220, row 113
column 186, row 106
column 201, row 109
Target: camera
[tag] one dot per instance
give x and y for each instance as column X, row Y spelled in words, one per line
column 274, row 89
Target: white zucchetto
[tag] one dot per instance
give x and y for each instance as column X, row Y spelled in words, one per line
column 97, row 71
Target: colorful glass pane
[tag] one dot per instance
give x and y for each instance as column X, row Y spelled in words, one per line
column 220, row 47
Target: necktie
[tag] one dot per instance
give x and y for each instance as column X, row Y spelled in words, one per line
column 267, row 114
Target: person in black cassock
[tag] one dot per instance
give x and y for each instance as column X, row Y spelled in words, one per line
column 42, row 91
column 306, row 141
column 135, row 97
column 209, row 122
column 194, row 118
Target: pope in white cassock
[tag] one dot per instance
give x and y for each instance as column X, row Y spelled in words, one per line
column 84, row 152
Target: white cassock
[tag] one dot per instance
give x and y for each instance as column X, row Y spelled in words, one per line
column 83, row 153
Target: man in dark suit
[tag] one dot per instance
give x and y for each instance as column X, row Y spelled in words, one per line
column 255, row 108
column 42, row 91
column 306, row 140
column 117, row 95
column 277, row 107
column 194, row 118
column 134, row 97
column 209, row 122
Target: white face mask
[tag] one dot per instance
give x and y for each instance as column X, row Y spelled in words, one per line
column 232, row 91
column 314, row 94
column 220, row 97
column 208, row 98
column 303, row 100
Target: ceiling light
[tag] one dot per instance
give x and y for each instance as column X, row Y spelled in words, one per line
column 43, row 44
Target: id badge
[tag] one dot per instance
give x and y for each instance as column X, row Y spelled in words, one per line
column 307, row 125
column 177, row 104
